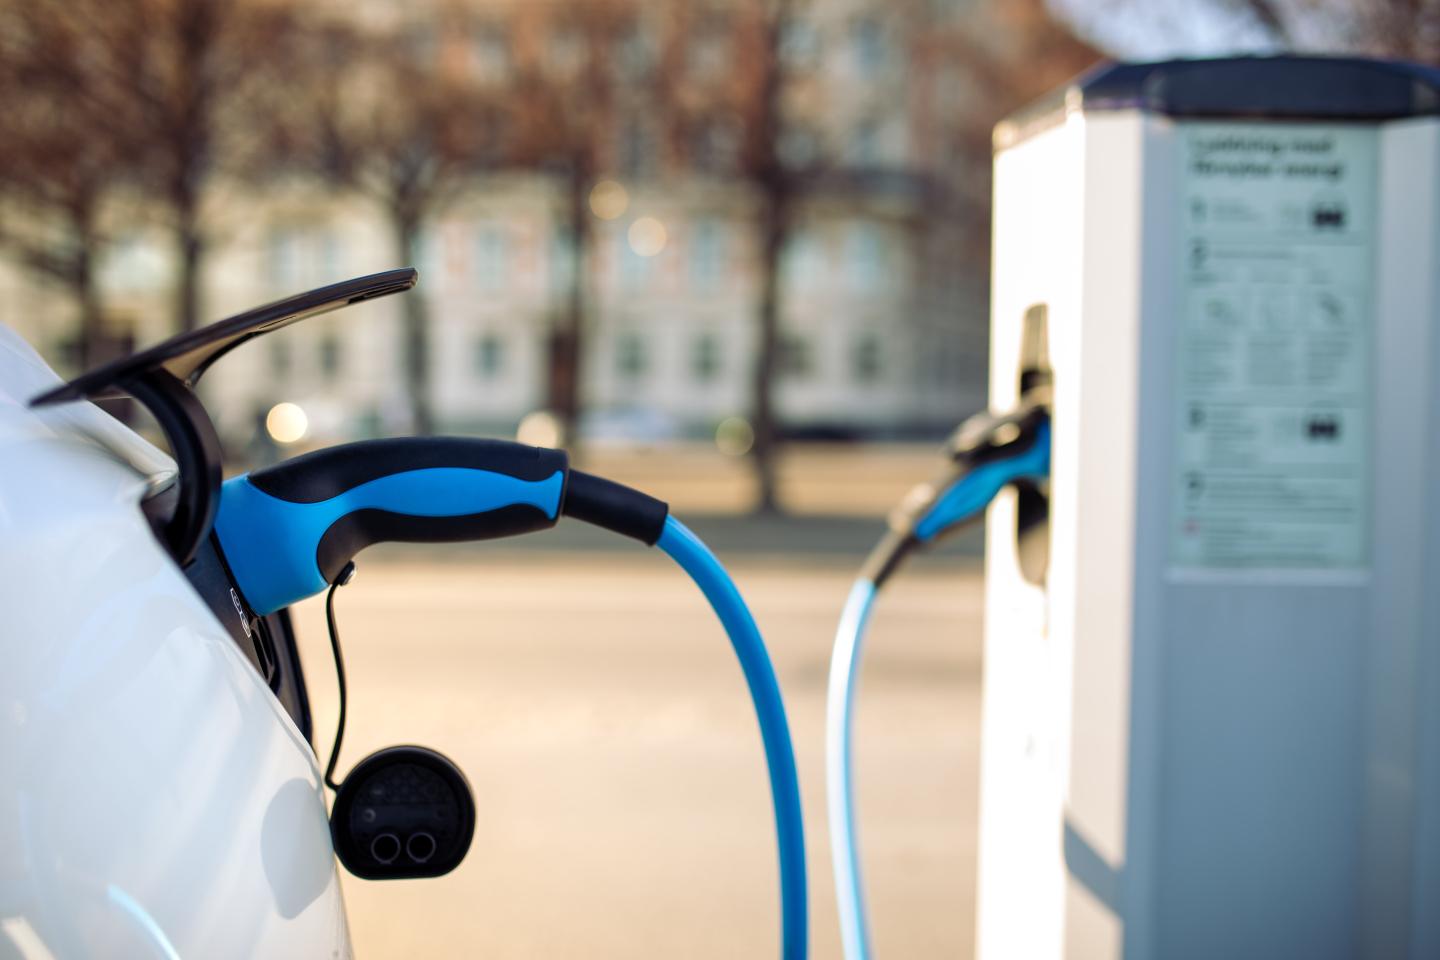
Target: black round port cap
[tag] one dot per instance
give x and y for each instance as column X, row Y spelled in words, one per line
column 413, row 794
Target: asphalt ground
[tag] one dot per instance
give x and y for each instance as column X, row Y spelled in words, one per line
column 595, row 706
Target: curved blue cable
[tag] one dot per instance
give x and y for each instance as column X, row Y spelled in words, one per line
column 963, row 500
column 839, row 771
column 696, row 559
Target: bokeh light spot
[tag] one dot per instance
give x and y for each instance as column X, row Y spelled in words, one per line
column 286, row 423
column 734, row 437
column 540, row 428
column 647, row 236
column 608, row 200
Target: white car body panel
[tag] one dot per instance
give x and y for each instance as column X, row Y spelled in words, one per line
column 155, row 798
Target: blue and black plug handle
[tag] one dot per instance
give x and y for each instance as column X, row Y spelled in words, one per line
column 290, row 530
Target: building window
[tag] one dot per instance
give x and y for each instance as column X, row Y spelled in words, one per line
column 490, row 53
column 797, row 359
column 865, row 257
column 563, row 50
column 710, row 48
column 280, row 357
column 426, row 252
column 133, row 264
column 422, row 44
column 865, row 144
column 715, row 147
column 329, row 256
column 630, row 358
column 935, row 361
column 799, row 43
column 867, row 361
column 637, row 149
column 705, row 358
column 489, row 356
column 707, row 255
column 329, row 356
column 283, row 258
column 802, row 263
column 561, row 260
column 634, row 269
column 636, row 52
column 490, row 257
column 867, row 41
column 798, row 147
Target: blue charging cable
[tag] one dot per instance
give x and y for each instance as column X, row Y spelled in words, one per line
column 696, row 559
column 289, row 530
column 932, row 510
column 839, row 771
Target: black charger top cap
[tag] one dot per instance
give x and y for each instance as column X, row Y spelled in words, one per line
column 1284, row 87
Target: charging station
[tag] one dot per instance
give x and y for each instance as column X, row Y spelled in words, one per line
column 1212, row 673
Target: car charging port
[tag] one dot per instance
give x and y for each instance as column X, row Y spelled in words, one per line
column 385, row 848
column 420, row 847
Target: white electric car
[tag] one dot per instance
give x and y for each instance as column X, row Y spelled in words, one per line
column 159, row 795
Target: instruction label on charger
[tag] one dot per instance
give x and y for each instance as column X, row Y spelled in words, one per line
column 1276, row 328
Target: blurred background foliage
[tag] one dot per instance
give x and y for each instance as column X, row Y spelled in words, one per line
column 746, row 220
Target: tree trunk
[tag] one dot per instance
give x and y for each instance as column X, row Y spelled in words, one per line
column 775, row 187
column 93, row 344
column 190, row 254
column 774, row 228
column 416, row 331
column 567, row 339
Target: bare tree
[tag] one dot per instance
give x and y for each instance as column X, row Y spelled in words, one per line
column 1010, row 53
column 776, row 186
column 1408, row 29
column 387, row 114
column 1004, row 52
column 750, row 95
column 58, row 169
column 567, row 92
column 182, row 80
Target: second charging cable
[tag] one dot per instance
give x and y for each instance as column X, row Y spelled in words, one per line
column 987, row 454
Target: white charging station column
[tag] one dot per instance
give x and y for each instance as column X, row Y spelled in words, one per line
column 1213, row 730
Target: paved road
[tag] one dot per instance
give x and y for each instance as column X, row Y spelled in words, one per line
column 597, row 711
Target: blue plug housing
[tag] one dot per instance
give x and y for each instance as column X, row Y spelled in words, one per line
column 287, row 531
column 974, row 489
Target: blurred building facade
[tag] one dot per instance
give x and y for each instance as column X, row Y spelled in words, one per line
column 883, row 305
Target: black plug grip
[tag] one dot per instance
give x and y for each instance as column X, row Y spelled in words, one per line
column 615, row 507
column 323, row 474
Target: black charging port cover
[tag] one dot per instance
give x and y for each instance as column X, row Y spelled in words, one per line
column 403, row 813
column 163, row 379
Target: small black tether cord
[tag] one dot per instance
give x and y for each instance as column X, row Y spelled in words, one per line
column 344, row 577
